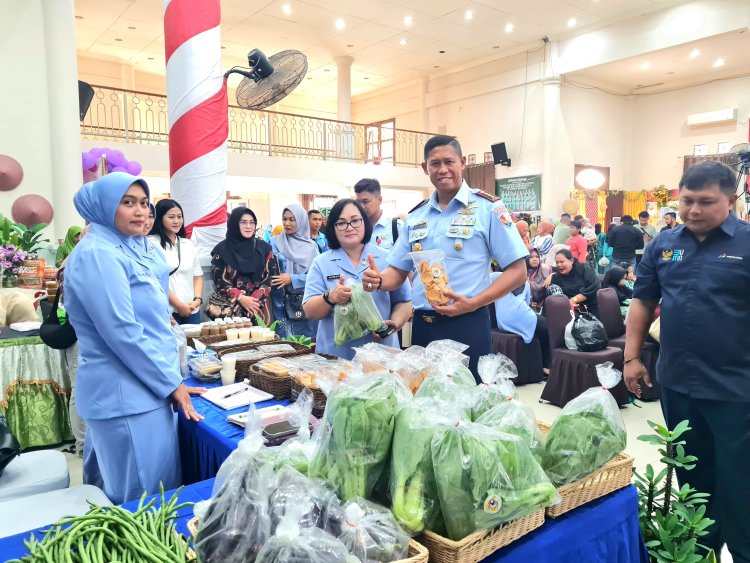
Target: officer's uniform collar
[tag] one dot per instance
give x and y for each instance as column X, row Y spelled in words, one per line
column 729, row 226
column 462, row 196
column 340, row 257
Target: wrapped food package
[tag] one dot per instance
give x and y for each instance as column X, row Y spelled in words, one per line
column 357, row 318
column 430, row 267
column 497, row 373
column 371, row 533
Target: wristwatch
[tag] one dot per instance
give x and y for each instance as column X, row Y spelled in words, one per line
column 327, row 300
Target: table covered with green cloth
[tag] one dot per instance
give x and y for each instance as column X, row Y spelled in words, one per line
column 34, row 389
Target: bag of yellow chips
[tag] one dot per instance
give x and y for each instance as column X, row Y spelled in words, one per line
column 430, row 267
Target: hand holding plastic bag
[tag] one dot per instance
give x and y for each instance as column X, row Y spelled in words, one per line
column 588, row 432
column 357, row 318
column 371, row 533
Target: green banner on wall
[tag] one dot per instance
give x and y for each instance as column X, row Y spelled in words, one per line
column 522, row 193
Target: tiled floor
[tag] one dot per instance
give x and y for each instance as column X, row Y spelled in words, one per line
column 635, row 418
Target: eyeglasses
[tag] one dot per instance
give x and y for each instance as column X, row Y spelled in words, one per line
column 354, row 224
column 247, row 223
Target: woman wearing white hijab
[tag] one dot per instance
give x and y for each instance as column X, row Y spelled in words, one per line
column 294, row 251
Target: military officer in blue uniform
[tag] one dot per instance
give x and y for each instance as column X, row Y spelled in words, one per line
column 471, row 227
column 384, row 229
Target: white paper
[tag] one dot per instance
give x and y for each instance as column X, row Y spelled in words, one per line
column 218, row 396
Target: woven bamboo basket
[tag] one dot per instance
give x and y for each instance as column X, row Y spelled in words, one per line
column 417, row 552
column 278, row 386
column 613, row 475
column 319, row 398
column 477, row 546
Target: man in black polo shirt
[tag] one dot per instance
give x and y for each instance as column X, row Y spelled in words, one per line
column 624, row 239
column 670, row 221
column 701, row 272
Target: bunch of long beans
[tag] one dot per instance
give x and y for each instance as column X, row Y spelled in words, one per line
column 111, row 533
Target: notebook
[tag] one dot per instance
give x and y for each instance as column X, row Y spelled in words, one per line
column 235, row 395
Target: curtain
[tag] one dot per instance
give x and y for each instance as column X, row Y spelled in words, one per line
column 481, row 176
column 614, row 208
column 633, row 203
column 307, row 201
column 691, row 160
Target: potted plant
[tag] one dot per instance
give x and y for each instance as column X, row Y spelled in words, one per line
column 26, row 240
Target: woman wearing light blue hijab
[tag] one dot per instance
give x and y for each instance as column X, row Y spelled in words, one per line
column 294, row 251
column 128, row 378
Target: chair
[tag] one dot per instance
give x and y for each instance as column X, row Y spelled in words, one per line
column 573, row 372
column 33, row 473
column 527, row 357
column 611, row 317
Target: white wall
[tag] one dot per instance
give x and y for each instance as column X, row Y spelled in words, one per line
column 661, row 136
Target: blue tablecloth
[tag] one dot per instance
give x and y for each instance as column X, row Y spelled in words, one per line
column 603, row 531
column 206, row 444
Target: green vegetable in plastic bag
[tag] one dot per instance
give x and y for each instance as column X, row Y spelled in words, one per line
column 354, row 438
column 485, row 478
column 372, row 534
column 357, row 318
column 513, row 417
column 496, row 372
column 588, row 432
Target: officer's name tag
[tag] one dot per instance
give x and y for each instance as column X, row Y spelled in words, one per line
column 417, row 234
column 333, row 277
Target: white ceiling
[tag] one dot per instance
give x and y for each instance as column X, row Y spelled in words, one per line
column 131, row 31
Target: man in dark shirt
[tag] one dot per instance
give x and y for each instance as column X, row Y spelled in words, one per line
column 625, row 239
column 670, row 221
column 701, row 273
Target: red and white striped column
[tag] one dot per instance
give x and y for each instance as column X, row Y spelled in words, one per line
column 198, row 123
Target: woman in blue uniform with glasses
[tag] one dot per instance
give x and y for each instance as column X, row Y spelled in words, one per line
column 349, row 232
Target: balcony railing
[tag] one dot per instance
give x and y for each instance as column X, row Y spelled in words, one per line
column 140, row 117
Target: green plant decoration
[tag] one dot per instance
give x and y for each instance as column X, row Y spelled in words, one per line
column 672, row 519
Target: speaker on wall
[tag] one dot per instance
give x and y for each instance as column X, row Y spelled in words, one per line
column 500, row 154
column 85, row 95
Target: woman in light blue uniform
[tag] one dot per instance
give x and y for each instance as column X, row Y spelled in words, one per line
column 348, row 232
column 295, row 252
column 128, row 376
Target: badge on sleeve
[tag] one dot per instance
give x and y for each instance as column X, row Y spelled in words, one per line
column 501, row 212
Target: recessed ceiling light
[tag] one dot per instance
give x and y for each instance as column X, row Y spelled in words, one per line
column 287, row 9
column 223, row 47
column 402, row 42
column 326, row 70
column 131, row 27
column 340, row 23
column 670, row 72
column 367, row 78
column 118, row 39
column 572, row 22
column 408, row 20
column 718, row 62
column 350, row 45
column 469, row 15
column 151, row 58
column 645, row 65
column 79, row 17
column 496, row 46
column 436, row 66
column 695, row 53
column 441, row 52
column 508, row 27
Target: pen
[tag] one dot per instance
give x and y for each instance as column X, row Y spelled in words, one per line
column 236, row 393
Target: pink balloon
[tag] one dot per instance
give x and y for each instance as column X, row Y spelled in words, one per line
column 119, row 169
column 89, row 176
column 11, row 173
column 31, row 210
column 134, row 167
column 115, row 158
column 94, row 168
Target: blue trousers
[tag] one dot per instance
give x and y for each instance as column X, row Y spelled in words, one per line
column 194, row 319
column 135, row 453
column 472, row 329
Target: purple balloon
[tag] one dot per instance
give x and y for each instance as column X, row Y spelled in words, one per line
column 88, row 160
column 94, row 168
column 134, row 167
column 115, row 158
column 96, row 152
column 119, row 169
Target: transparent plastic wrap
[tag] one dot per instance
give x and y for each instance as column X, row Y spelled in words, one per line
column 295, row 544
column 588, row 432
column 357, row 318
column 353, row 440
column 236, row 522
column 430, row 267
column 513, row 417
column 371, row 533
column 297, row 451
column 449, row 379
column 447, row 347
column 289, row 487
column 412, row 366
column 485, row 478
column 413, row 489
column 182, row 352
column 496, row 372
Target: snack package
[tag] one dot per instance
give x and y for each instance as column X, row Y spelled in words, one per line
column 412, row 366
column 357, row 318
column 485, row 478
column 430, row 267
column 371, row 533
column 276, row 366
column 413, row 489
column 513, row 417
column 496, row 372
column 295, row 544
column 353, row 440
column 236, row 522
column 289, row 487
column 588, row 432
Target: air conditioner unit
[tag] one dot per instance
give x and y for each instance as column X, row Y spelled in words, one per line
column 712, row 117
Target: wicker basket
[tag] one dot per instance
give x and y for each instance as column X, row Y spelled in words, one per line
column 477, row 546
column 615, row 474
column 417, row 552
column 319, row 398
column 278, row 386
